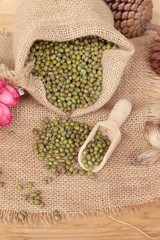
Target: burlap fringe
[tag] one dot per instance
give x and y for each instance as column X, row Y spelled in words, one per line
column 38, row 219
column 153, row 97
column 17, row 78
column 7, row 74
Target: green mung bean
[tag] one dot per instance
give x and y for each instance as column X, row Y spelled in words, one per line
column 2, row 184
column 22, row 215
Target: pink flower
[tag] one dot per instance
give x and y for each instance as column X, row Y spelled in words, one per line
column 5, row 115
column 9, row 97
column 8, row 94
column 2, row 83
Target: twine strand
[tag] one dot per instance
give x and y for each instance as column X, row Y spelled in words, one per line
column 134, row 227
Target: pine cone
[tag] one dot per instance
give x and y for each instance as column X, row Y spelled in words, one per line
column 130, row 15
column 155, row 55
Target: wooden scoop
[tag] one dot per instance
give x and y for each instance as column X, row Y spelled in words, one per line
column 109, row 128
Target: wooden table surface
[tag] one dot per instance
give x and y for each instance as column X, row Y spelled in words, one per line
column 88, row 228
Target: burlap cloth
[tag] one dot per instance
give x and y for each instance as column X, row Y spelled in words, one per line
column 118, row 186
column 63, row 20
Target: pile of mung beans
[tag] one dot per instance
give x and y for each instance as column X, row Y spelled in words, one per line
column 71, row 71
column 58, row 144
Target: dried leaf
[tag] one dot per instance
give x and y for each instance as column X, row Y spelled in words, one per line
column 152, row 133
column 147, row 158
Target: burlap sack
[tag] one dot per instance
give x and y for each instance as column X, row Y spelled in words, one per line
column 6, row 49
column 67, row 20
column 118, row 187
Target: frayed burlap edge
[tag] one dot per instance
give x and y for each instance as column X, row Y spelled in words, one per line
column 37, row 219
column 153, row 95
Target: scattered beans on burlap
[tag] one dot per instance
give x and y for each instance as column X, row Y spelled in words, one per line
column 58, row 144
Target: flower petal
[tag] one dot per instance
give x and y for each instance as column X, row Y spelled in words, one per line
column 15, row 95
column 6, row 97
column 9, row 96
column 5, row 115
column 13, row 90
column 2, row 83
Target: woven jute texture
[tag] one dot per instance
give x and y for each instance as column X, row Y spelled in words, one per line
column 118, row 186
column 6, row 49
column 63, row 20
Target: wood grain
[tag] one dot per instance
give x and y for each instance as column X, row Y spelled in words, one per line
column 88, row 228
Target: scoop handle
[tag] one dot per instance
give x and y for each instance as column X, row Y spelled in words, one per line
column 120, row 112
